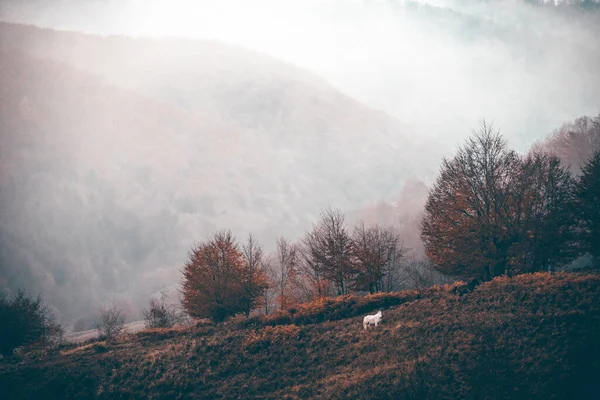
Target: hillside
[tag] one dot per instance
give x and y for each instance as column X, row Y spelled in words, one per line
column 117, row 154
column 532, row 336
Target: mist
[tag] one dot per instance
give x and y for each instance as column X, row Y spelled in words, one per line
column 140, row 144
column 527, row 66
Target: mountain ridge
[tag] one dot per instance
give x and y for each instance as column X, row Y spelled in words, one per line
column 113, row 183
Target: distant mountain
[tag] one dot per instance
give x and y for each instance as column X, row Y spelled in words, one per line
column 117, row 154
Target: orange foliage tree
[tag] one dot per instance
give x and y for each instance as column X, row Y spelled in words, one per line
column 218, row 281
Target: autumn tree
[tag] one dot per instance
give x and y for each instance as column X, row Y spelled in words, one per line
column 588, row 206
column 463, row 226
column 491, row 212
column 216, row 279
column 329, row 249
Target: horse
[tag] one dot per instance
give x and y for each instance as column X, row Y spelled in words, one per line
column 372, row 319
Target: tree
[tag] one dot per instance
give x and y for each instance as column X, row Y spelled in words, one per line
column 286, row 267
column 26, row 322
column 311, row 269
column 542, row 215
column 491, row 212
column 329, row 250
column 417, row 273
column 213, row 279
column 374, row 250
column 588, row 206
column 112, row 322
column 269, row 295
column 254, row 279
column 574, row 143
column 463, row 226
column 160, row 314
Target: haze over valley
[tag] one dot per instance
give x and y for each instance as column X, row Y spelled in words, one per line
column 131, row 130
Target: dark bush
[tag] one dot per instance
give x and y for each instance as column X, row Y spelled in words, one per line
column 100, row 348
column 26, row 322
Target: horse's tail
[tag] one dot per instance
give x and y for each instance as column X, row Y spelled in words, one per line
column 365, row 324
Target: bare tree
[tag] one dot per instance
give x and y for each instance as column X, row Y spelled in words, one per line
column 421, row 274
column 112, row 322
column 160, row 314
column 329, row 250
column 269, row 295
column 311, row 268
column 462, row 228
column 541, row 215
column 286, row 264
column 396, row 258
column 255, row 281
column 574, row 143
column 376, row 251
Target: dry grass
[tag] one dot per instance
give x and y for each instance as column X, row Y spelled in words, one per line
column 532, row 336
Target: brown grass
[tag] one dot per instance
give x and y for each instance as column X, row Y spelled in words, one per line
column 532, row 336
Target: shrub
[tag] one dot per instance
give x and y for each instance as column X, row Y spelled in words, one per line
column 161, row 315
column 26, row 322
column 112, row 323
column 100, row 348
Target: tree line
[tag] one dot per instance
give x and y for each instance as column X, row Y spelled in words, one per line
column 492, row 212
column 222, row 278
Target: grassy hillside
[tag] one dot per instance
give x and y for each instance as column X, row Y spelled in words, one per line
column 532, row 336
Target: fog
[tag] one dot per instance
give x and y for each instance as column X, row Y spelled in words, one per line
column 118, row 154
column 527, row 68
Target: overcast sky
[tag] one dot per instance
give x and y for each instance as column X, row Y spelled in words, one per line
column 440, row 69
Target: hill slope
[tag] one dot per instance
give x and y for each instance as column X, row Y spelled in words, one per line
column 532, row 336
column 117, row 154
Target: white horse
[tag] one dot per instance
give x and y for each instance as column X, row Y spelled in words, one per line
column 372, row 319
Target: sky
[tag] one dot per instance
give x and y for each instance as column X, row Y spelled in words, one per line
column 440, row 68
